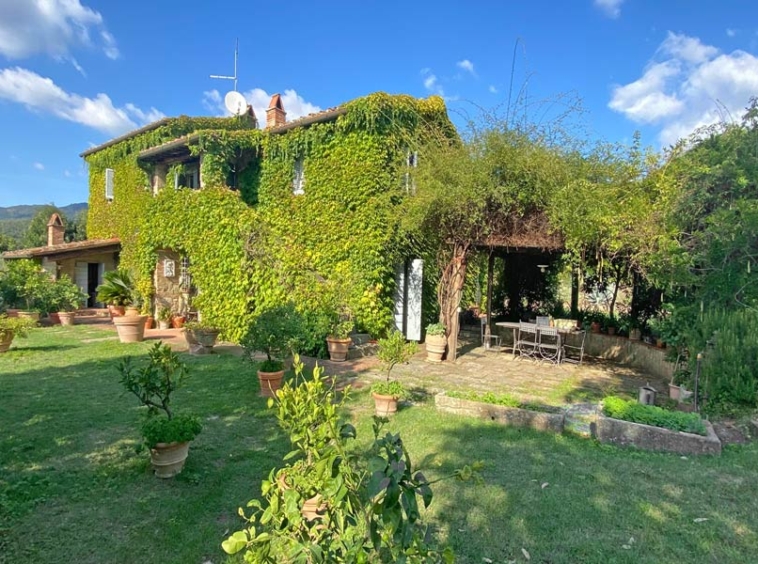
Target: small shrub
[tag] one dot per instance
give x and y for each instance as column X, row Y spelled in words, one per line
column 178, row 429
column 435, row 330
column 393, row 350
column 16, row 325
column 630, row 410
column 275, row 332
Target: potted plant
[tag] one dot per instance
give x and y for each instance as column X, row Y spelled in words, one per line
column 655, row 325
column 164, row 318
column 393, row 350
column 200, row 336
column 116, row 291
column 68, row 298
column 276, row 333
column 166, row 434
column 178, row 320
column 338, row 341
column 610, row 326
column 11, row 327
column 435, row 342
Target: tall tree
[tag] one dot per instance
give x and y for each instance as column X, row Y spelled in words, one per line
column 36, row 232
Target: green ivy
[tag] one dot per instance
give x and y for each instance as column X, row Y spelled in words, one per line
column 259, row 246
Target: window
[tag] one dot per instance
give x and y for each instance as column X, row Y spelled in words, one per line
column 298, row 183
column 411, row 162
column 109, row 174
column 188, row 178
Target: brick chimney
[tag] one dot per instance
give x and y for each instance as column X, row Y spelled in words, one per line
column 55, row 230
column 275, row 114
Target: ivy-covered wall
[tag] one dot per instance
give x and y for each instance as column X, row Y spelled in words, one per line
column 260, row 245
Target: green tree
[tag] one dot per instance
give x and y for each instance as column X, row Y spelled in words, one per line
column 36, row 232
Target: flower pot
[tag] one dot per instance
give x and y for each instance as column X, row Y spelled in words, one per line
column 659, row 343
column 131, row 328
column 168, row 458
column 595, row 327
column 635, row 334
column 311, row 508
column 6, row 338
column 177, row 322
column 675, row 392
column 435, row 347
column 270, row 382
column 131, row 311
column 611, row 331
column 150, row 323
column 164, row 325
column 338, row 348
column 55, row 318
column 67, row 318
column 201, row 341
column 116, row 311
column 33, row 315
column 384, row 406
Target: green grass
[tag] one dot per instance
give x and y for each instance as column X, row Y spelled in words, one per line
column 73, row 489
column 630, row 410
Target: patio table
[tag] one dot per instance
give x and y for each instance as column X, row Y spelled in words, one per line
column 514, row 327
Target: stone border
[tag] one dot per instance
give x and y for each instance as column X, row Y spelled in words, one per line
column 512, row 416
column 625, row 433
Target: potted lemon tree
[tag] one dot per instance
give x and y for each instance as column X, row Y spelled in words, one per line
column 166, row 434
column 276, row 332
column 11, row 327
column 393, row 350
column 68, row 298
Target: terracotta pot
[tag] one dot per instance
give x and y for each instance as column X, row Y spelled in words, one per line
column 635, row 334
column 67, row 318
column 150, row 323
column 595, row 327
column 6, row 338
column 435, row 347
column 55, row 318
column 33, row 315
column 311, row 508
column 131, row 328
column 270, row 382
column 611, row 331
column 131, row 311
column 116, row 311
column 164, row 325
column 659, row 343
column 168, row 458
column 675, row 392
column 338, row 348
column 385, row 406
column 177, row 322
column 12, row 313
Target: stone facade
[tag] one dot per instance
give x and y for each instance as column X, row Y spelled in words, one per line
column 168, row 289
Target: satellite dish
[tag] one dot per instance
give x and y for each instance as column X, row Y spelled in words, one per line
column 235, row 103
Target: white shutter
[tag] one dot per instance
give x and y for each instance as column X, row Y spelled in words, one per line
column 413, row 303
column 399, row 311
column 109, row 174
column 81, row 275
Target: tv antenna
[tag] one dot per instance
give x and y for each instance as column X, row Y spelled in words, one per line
column 234, row 101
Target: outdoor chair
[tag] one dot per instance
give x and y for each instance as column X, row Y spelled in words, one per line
column 490, row 341
column 527, row 342
column 576, row 350
column 550, row 344
column 543, row 320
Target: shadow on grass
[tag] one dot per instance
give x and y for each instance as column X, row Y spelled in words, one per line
column 565, row 499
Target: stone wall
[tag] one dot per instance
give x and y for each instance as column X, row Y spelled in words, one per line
column 168, row 292
column 632, row 353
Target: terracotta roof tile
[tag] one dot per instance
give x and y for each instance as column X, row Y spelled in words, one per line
column 62, row 248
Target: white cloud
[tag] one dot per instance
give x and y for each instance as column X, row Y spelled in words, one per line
column 294, row 104
column 42, row 95
column 492, row 89
column 731, row 32
column 688, row 85
column 39, row 166
column 431, row 83
column 612, row 8
column 51, row 27
column 466, row 65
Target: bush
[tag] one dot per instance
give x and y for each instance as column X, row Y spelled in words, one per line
column 178, row 429
column 117, row 288
column 635, row 412
column 393, row 350
column 435, row 330
column 16, row 325
column 276, row 332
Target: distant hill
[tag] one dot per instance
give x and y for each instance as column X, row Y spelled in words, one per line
column 14, row 220
column 28, row 212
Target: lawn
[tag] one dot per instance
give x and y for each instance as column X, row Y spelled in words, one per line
column 73, row 487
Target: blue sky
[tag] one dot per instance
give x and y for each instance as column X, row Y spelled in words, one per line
column 77, row 72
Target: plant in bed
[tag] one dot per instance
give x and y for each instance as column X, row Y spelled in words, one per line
column 630, row 410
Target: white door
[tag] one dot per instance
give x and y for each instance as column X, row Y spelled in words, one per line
column 80, row 276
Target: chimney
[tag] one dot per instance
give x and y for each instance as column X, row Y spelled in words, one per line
column 275, row 114
column 55, row 230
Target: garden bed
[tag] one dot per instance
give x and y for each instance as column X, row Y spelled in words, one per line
column 647, row 437
column 545, row 419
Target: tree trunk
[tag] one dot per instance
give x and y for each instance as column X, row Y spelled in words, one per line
column 574, row 291
column 450, row 292
column 620, row 273
column 490, row 273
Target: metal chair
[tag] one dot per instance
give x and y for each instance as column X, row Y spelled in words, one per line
column 550, row 344
column 493, row 339
column 543, row 320
column 577, row 349
column 527, row 343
